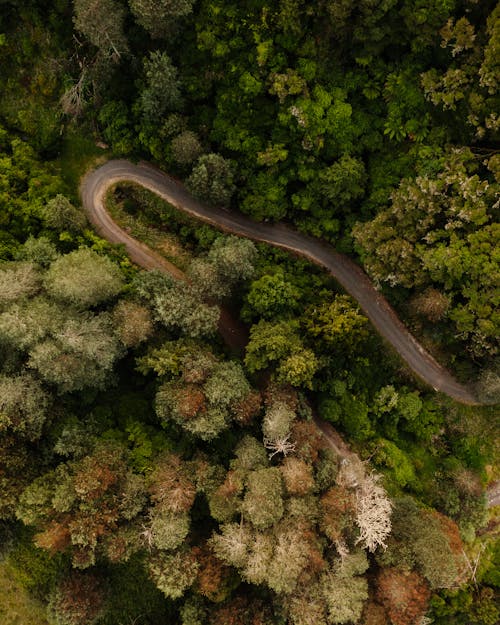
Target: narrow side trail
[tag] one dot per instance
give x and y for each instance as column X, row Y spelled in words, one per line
column 345, row 271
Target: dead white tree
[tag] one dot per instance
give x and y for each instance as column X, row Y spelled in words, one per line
column 373, row 513
column 73, row 99
column 147, row 536
column 373, row 506
column 473, row 564
column 279, row 446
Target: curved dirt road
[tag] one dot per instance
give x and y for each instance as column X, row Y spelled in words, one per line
column 344, row 270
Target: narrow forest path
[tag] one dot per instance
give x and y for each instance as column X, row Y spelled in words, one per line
column 352, row 278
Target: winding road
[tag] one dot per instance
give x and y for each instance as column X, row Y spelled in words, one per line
column 352, row 278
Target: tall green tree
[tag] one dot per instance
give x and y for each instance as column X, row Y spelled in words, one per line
column 186, row 147
column 177, row 305
column 102, row 23
column 81, row 504
column 206, row 399
column 18, row 280
column 159, row 17
column 61, row 215
column 161, row 92
column 83, row 278
column 271, row 296
column 24, row 406
column 279, row 344
column 228, row 263
column 212, row 180
column 79, row 354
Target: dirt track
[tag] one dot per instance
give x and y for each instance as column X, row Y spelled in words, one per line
column 345, row 271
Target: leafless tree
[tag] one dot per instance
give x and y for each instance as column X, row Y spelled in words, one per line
column 373, row 513
column 373, row 506
column 279, row 446
column 73, row 99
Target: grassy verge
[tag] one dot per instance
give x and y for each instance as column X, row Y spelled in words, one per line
column 79, row 154
column 17, row 607
column 140, row 227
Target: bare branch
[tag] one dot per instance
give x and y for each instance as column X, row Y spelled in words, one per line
column 279, row 446
column 73, row 99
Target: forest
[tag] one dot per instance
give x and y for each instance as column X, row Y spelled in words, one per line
column 155, row 472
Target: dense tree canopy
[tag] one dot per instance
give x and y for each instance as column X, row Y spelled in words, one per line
column 439, row 230
column 150, row 474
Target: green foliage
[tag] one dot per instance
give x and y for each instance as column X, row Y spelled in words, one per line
column 313, row 113
column 262, row 504
column 208, row 395
column 343, row 182
column 344, row 597
column 419, row 540
column 270, row 296
column 438, row 230
column 249, row 455
column 25, row 323
column 79, row 355
column 23, row 406
column 102, row 24
column 39, row 251
column 82, row 503
column 18, row 280
column 34, row 568
column 168, row 530
column 115, row 124
column 159, row 18
column 226, row 384
column 350, row 412
column 229, row 262
column 391, row 456
column 186, row 148
column 61, row 215
column 133, row 595
column 162, row 91
column 339, row 324
column 26, row 184
column 32, row 60
column 465, row 606
column 193, row 613
column 279, row 344
column 83, row 278
column 69, row 348
column 16, row 603
column 212, row 180
column 177, row 304
column 173, row 573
